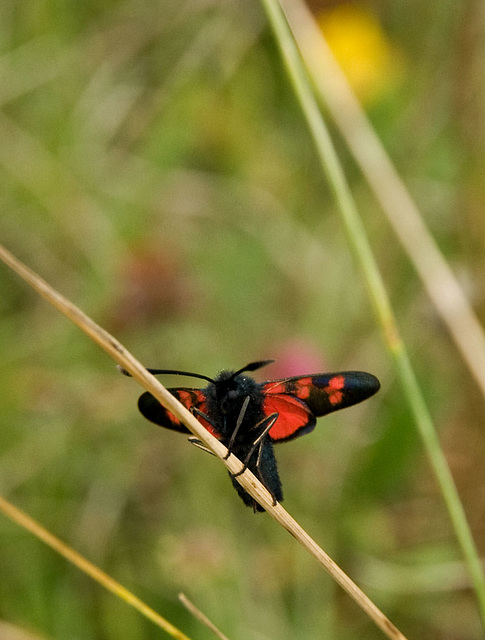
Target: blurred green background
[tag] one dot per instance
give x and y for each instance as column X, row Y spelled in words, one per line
column 155, row 168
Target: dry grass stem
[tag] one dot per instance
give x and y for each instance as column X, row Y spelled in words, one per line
column 197, row 613
column 28, row 523
column 247, row 480
column 389, row 189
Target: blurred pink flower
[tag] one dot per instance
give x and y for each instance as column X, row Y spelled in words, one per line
column 294, row 358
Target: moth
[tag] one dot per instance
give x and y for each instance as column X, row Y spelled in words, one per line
column 249, row 417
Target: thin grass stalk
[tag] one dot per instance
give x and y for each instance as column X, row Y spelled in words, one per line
column 247, row 479
column 402, row 212
column 201, row 617
column 361, row 248
column 29, row 524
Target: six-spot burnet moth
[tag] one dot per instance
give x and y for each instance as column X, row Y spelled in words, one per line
column 249, row 417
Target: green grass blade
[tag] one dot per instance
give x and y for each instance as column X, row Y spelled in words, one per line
column 380, row 300
column 29, row 524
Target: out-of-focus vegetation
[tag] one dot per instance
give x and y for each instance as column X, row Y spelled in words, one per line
column 155, row 168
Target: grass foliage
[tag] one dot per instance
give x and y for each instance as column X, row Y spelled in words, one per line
column 155, row 167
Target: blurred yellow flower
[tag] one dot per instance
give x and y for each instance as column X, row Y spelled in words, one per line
column 370, row 61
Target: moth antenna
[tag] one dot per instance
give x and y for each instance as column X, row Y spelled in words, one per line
column 252, row 366
column 123, row 371
column 171, row 372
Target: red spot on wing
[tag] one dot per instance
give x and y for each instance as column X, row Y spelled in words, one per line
column 334, row 389
column 302, row 387
column 293, row 416
column 187, row 397
column 193, row 398
column 277, row 386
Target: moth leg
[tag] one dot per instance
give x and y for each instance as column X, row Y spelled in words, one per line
column 271, row 420
column 193, row 440
column 258, row 442
column 201, row 414
column 239, row 420
column 257, row 468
